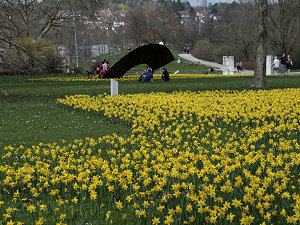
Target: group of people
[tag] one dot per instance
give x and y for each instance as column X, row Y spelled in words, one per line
column 148, row 75
column 284, row 63
column 99, row 69
column 102, row 69
column 145, row 77
column 187, row 49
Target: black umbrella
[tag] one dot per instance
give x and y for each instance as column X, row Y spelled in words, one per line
column 154, row 55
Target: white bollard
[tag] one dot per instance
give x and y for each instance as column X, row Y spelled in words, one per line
column 225, row 65
column 114, row 87
column 269, row 62
column 231, row 65
column 228, row 65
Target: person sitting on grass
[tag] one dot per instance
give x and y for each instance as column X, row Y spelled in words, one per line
column 98, row 69
column 89, row 75
column 209, row 71
column 102, row 72
column 146, row 77
column 148, row 69
column 165, row 75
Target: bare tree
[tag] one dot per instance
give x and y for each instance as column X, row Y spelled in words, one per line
column 282, row 25
column 136, row 28
column 259, row 80
column 21, row 20
column 278, row 17
column 152, row 23
column 240, row 23
column 32, row 18
column 162, row 24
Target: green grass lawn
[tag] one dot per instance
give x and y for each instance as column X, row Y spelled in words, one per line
column 29, row 113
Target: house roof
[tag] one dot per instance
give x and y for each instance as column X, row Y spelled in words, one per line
column 185, row 12
column 102, row 12
column 202, row 12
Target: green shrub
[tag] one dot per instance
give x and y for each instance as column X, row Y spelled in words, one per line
column 53, row 62
column 201, row 43
column 31, row 55
column 204, row 51
column 211, row 52
column 78, row 70
column 219, row 52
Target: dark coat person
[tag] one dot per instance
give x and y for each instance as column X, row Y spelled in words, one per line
column 165, row 75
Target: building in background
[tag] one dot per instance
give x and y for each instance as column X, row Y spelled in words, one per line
column 184, row 16
column 202, row 3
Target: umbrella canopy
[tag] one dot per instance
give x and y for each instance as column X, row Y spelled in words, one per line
column 154, row 55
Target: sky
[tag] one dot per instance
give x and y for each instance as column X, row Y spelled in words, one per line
column 193, row 2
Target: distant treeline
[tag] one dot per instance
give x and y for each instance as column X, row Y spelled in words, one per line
column 177, row 5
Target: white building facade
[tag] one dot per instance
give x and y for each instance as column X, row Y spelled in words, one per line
column 202, row 3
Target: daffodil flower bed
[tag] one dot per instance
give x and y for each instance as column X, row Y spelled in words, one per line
column 136, row 77
column 212, row 157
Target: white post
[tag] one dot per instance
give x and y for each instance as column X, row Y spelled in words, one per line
column 231, row 64
column 225, row 65
column 114, row 87
column 228, row 65
column 269, row 63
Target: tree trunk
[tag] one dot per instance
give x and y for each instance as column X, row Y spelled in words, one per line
column 259, row 80
column 75, row 40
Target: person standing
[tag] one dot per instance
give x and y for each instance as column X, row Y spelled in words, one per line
column 238, row 66
column 241, row 66
column 276, row 64
column 104, row 65
column 283, row 63
column 289, row 64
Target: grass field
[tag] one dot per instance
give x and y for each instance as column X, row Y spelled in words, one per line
column 190, row 151
column 29, row 113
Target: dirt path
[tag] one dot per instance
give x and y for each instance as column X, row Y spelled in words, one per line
column 214, row 65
